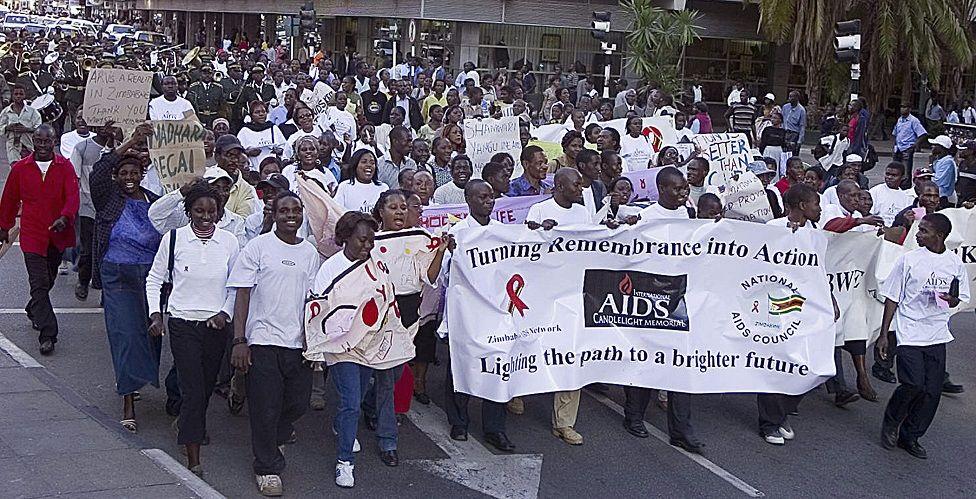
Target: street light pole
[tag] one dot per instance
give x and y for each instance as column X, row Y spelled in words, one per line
column 601, row 28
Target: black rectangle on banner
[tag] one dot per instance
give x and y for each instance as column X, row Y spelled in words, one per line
column 627, row 298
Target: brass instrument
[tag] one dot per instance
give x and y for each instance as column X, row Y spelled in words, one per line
column 193, row 55
column 88, row 63
column 217, row 76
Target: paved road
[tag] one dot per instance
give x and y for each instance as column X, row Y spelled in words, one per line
column 836, row 452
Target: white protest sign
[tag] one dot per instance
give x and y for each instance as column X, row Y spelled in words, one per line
column 176, row 152
column 727, row 154
column 118, row 95
column 744, row 198
column 851, row 257
column 486, row 137
column 644, row 183
column 659, row 131
column 686, row 305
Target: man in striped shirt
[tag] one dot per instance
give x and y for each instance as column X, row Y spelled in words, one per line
column 741, row 116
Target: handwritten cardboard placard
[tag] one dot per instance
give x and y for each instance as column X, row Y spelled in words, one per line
column 727, row 155
column 486, row 137
column 744, row 198
column 117, row 95
column 176, row 151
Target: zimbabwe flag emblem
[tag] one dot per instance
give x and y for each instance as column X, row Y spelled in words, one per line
column 785, row 305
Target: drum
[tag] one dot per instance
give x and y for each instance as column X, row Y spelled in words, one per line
column 48, row 107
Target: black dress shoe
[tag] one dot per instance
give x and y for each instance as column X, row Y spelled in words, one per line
column 499, row 441
column 81, row 292
column 949, row 387
column 459, row 433
column 889, row 436
column 422, row 398
column 693, row 447
column 47, row 347
column 173, row 407
column 884, row 375
column 390, row 458
column 914, row 448
column 35, row 326
column 636, row 428
column 845, row 398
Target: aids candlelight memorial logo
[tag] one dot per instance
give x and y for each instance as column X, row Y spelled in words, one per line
column 768, row 309
column 635, row 299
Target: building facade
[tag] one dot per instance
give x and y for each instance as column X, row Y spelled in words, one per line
column 500, row 33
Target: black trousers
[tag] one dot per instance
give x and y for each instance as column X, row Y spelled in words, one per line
column 456, row 406
column 197, row 352
column 679, row 410
column 773, row 409
column 921, row 371
column 42, row 270
column 86, row 231
column 278, row 386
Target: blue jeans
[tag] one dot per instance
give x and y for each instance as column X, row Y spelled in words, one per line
column 378, row 403
column 351, row 382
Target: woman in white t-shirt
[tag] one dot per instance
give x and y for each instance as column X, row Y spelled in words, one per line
column 634, row 147
column 260, row 137
column 308, row 164
column 359, row 188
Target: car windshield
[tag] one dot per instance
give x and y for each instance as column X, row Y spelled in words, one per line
column 15, row 19
column 123, row 29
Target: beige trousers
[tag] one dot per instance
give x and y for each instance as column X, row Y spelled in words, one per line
column 565, row 407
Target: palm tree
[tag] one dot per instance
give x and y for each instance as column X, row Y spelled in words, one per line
column 808, row 26
column 656, row 40
column 901, row 37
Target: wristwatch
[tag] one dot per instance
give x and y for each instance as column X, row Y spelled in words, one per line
column 239, row 341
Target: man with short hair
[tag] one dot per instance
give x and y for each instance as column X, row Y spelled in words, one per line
column 889, row 198
column 629, row 105
column 400, row 98
column 229, row 153
column 907, row 134
column 83, row 158
column 922, row 287
column 169, row 106
column 795, row 119
column 207, row 97
column 533, row 180
column 43, row 187
column 563, row 208
column 741, row 116
column 18, row 122
column 453, row 192
column 391, row 165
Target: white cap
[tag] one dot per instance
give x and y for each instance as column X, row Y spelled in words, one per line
column 770, row 96
column 942, row 140
column 214, row 173
column 853, row 158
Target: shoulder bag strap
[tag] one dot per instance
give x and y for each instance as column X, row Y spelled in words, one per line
column 172, row 254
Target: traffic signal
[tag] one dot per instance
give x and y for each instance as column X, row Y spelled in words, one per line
column 847, row 41
column 601, row 24
column 307, row 15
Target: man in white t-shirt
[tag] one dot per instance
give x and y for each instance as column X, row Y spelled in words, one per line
column 919, row 292
column 480, row 199
column 889, row 198
column 169, row 106
column 673, row 191
column 564, row 208
column 844, row 216
column 453, row 192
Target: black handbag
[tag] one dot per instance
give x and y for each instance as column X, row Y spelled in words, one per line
column 167, row 287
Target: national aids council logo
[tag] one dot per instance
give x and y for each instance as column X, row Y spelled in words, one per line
column 635, row 299
column 772, row 304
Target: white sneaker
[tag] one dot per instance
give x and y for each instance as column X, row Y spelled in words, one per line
column 269, row 485
column 787, row 431
column 775, row 438
column 344, row 474
column 355, row 443
column 63, row 269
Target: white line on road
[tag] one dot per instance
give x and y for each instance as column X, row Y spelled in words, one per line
column 186, row 477
column 14, row 351
column 469, row 463
column 701, row 461
column 57, row 311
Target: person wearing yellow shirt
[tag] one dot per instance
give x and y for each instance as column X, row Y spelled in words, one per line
column 437, row 96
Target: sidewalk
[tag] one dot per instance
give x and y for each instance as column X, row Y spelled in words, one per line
column 53, row 443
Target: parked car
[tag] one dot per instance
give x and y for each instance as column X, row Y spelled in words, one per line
column 151, row 37
column 15, row 21
column 116, row 32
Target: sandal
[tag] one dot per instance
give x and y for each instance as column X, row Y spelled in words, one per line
column 130, row 425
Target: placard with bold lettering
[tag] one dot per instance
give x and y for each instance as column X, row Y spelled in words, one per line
column 176, row 151
column 118, row 95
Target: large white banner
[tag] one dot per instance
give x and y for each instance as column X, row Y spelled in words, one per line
column 851, row 260
column 690, row 306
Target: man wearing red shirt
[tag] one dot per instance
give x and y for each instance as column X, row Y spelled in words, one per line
column 45, row 189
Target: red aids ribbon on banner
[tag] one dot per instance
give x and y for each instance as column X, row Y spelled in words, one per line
column 514, row 287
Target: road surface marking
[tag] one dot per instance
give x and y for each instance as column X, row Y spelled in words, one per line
column 472, row 465
column 57, row 311
column 187, row 478
column 14, row 351
column 700, row 460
